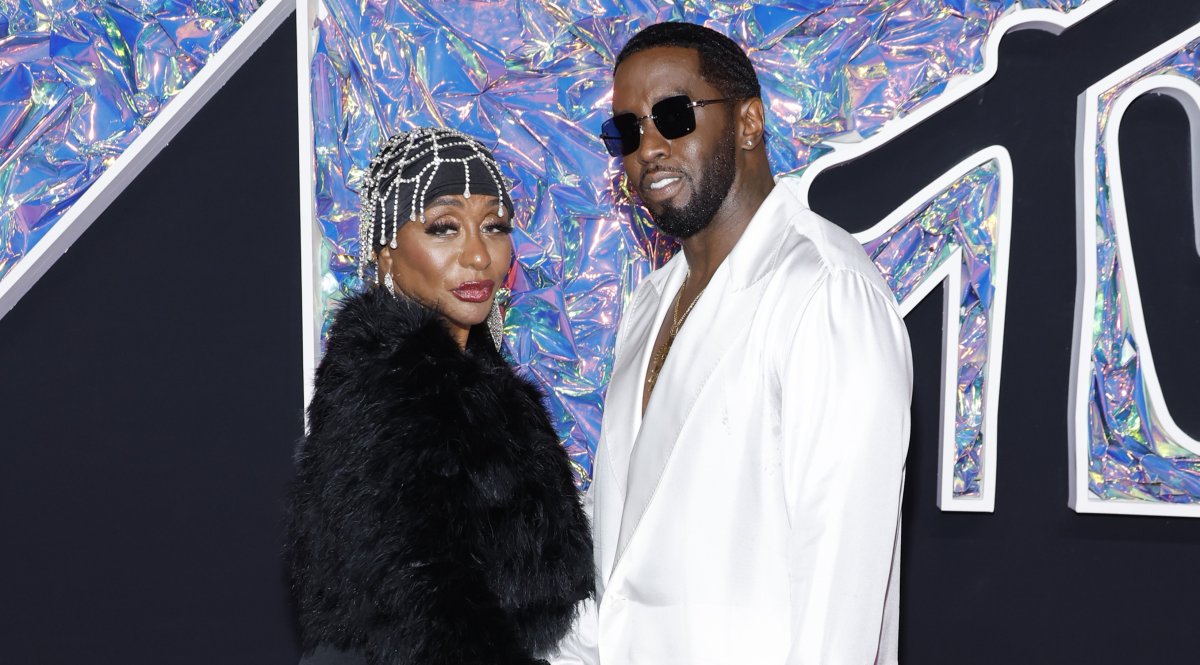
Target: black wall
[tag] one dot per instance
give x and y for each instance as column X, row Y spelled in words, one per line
column 149, row 405
column 151, row 394
column 1035, row 582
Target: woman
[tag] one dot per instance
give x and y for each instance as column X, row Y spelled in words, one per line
column 433, row 516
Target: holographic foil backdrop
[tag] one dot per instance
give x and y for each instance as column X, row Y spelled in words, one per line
column 79, row 81
column 532, row 80
column 963, row 217
column 1129, row 455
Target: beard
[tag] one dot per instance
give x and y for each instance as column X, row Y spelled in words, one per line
column 686, row 221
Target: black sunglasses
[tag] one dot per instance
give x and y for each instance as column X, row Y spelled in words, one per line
column 674, row 117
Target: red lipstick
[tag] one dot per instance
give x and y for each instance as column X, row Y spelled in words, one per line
column 474, row 291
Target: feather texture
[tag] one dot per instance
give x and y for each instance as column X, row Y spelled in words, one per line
column 433, row 518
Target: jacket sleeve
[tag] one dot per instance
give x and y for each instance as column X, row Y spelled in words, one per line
column 845, row 384
column 384, row 561
column 580, row 646
column 437, row 590
column 536, row 543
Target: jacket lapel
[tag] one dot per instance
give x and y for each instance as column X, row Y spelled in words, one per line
column 719, row 322
column 623, row 404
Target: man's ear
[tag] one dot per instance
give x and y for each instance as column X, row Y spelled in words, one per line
column 751, row 122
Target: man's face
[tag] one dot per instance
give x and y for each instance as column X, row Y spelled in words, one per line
column 684, row 181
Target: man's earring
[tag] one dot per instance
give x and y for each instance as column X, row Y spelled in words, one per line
column 749, row 143
column 389, row 283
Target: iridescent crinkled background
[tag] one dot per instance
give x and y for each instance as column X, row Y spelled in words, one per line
column 79, row 81
column 1129, row 455
column 532, row 80
column 963, row 217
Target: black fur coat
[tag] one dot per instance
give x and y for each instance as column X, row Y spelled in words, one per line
column 433, row 518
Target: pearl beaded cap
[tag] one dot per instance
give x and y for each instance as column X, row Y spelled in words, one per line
column 385, row 175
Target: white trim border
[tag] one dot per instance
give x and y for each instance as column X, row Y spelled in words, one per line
column 179, row 110
column 1021, row 19
column 844, row 151
column 307, row 14
column 950, row 272
column 1187, row 92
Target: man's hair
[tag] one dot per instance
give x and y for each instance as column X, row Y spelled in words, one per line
column 722, row 62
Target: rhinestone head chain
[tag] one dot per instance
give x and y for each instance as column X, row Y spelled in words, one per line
column 378, row 225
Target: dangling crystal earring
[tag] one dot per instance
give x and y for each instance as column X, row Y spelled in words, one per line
column 389, row 283
column 495, row 324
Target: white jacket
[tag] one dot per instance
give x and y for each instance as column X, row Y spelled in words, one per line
column 752, row 517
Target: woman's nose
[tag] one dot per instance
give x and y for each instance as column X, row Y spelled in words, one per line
column 475, row 252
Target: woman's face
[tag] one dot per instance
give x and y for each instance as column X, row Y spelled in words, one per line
column 455, row 261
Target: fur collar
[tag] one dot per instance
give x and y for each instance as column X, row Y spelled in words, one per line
column 433, row 517
column 377, row 323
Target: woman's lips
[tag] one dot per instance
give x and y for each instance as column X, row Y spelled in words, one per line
column 474, row 291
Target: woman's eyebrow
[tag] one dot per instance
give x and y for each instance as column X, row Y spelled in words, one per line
column 446, row 200
column 452, row 200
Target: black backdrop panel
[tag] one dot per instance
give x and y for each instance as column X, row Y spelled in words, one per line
column 150, row 403
column 1035, row 582
column 151, row 396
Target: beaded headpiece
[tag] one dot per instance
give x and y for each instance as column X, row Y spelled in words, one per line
column 411, row 169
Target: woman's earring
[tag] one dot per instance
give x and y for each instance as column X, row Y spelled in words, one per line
column 495, row 324
column 389, row 283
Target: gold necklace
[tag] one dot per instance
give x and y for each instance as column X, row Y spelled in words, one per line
column 659, row 358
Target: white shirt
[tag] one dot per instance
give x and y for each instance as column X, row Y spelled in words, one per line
column 753, row 516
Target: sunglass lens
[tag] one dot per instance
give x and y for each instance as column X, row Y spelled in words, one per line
column 629, row 131
column 621, row 135
column 612, row 139
column 674, row 117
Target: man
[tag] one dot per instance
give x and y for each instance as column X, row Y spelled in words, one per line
column 747, row 483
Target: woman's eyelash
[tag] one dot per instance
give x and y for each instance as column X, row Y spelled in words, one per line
column 440, row 226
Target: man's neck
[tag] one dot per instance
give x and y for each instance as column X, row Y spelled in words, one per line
column 706, row 250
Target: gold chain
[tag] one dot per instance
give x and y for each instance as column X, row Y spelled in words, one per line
column 660, row 356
